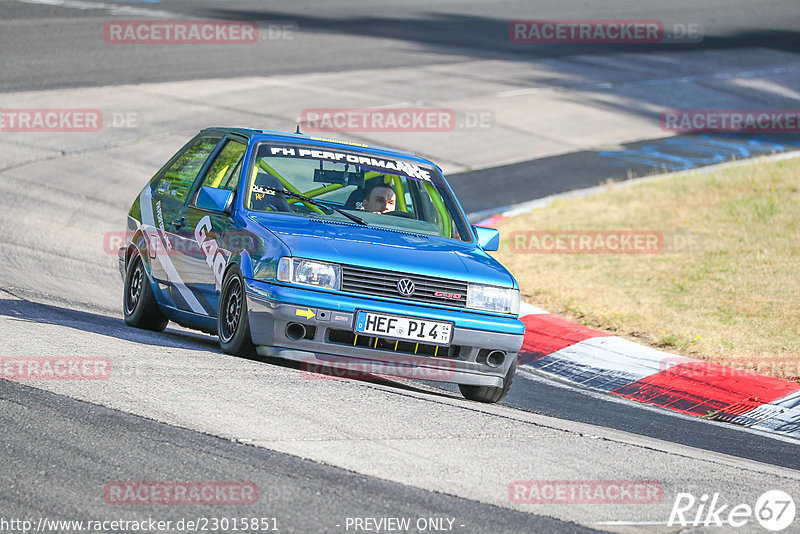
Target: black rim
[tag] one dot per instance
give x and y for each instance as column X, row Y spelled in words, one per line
column 232, row 310
column 135, row 285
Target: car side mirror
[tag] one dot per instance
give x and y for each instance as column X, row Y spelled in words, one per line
column 488, row 238
column 213, row 199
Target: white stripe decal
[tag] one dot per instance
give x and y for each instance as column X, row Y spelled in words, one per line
column 149, row 225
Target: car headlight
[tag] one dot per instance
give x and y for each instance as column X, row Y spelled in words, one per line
column 309, row 273
column 493, row 299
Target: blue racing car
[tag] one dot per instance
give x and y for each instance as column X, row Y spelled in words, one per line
column 333, row 254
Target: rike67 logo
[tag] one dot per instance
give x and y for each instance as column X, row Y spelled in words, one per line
column 774, row 510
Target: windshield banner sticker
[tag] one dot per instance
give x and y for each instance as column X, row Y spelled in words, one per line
column 407, row 168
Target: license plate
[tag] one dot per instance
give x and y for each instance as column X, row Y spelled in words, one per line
column 404, row 328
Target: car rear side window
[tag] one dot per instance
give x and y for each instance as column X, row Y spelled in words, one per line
column 177, row 180
column 225, row 170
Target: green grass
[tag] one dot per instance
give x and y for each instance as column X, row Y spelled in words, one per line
column 727, row 286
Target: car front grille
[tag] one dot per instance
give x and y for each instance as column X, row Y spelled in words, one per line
column 385, row 284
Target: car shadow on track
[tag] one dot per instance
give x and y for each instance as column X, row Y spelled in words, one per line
column 318, row 372
column 96, row 323
column 35, row 312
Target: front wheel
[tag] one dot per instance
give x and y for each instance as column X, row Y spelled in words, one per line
column 139, row 303
column 490, row 394
column 233, row 325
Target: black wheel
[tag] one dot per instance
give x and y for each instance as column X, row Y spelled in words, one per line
column 139, row 304
column 233, row 326
column 490, row 394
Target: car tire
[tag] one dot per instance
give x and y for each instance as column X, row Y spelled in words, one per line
column 490, row 394
column 233, row 325
column 139, row 304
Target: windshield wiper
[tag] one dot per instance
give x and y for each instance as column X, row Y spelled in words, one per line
column 354, row 218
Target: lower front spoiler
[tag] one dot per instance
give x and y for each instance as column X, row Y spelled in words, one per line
column 362, row 368
column 324, row 336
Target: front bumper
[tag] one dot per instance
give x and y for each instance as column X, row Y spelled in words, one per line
column 325, row 337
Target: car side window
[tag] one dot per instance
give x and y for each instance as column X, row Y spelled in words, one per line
column 177, row 180
column 225, row 170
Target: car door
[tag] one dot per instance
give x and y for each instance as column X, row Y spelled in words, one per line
column 206, row 232
column 171, row 193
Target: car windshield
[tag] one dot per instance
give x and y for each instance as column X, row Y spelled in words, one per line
column 379, row 190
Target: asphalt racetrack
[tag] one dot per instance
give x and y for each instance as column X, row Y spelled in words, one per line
column 340, row 455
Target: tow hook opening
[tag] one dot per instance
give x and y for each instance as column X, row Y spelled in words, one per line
column 297, row 331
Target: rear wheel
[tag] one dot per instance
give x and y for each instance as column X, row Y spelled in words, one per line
column 233, row 325
column 490, row 394
column 139, row 303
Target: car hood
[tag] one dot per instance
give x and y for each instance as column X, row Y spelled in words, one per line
column 386, row 249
